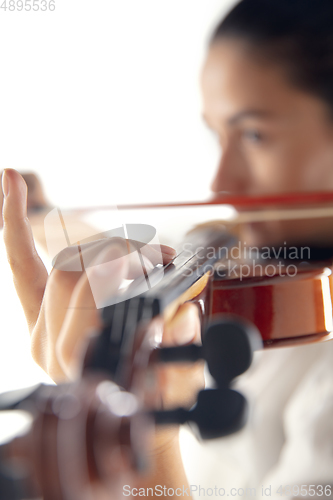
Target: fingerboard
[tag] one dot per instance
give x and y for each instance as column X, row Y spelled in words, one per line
column 114, row 346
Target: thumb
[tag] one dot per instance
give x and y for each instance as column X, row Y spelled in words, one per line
column 184, row 327
column 29, row 272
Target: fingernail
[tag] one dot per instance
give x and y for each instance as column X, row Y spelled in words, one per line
column 5, row 184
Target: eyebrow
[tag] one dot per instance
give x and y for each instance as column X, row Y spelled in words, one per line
column 249, row 113
column 245, row 114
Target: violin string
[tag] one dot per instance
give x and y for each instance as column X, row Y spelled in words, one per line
column 129, row 326
column 117, row 323
column 111, row 323
column 172, row 261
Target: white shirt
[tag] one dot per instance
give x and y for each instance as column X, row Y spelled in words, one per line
column 288, row 439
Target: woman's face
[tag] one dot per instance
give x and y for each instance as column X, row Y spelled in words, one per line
column 274, row 137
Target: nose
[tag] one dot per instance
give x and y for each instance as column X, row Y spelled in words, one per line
column 232, row 175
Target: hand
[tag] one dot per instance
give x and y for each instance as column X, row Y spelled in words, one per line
column 60, row 308
column 61, row 313
column 36, row 197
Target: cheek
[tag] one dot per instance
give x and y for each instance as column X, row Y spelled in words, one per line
column 288, row 167
column 306, row 160
column 272, row 171
column 311, row 168
column 318, row 171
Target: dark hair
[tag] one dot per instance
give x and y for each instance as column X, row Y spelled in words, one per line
column 297, row 34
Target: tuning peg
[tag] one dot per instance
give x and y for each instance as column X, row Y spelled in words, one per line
column 217, row 413
column 228, row 346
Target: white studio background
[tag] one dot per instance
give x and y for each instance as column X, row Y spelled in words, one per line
column 101, row 99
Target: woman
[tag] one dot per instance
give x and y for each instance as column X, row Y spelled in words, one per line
column 267, row 88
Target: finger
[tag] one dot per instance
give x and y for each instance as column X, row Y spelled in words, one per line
column 184, row 328
column 84, row 256
column 82, row 317
column 140, row 259
column 28, row 270
column 179, row 383
column 156, row 252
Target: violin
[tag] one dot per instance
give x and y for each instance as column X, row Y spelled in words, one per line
column 249, row 296
column 283, row 286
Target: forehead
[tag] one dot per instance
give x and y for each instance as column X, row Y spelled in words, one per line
column 234, row 78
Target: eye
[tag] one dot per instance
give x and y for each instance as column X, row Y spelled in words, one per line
column 253, row 136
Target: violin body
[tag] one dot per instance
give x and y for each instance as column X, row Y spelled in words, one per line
column 287, row 310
